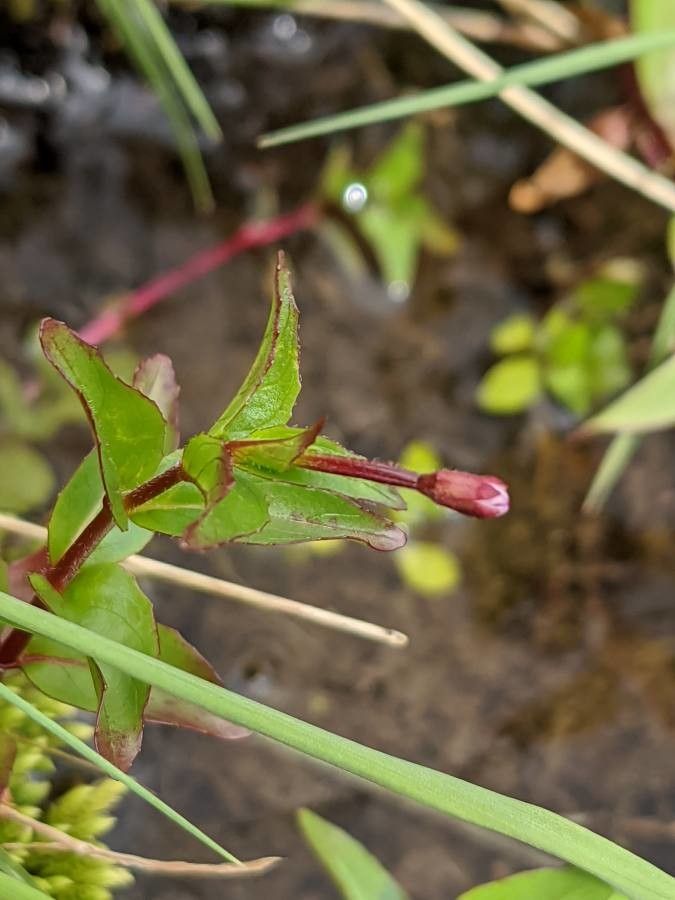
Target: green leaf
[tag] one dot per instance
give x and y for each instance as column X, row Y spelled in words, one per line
column 566, row 341
column 297, row 513
column 241, row 513
column 656, row 70
column 155, row 377
column 533, row 825
column 269, row 391
column 129, row 429
column 623, row 446
column 108, row 600
column 11, row 868
column 398, row 171
column 514, row 335
column 395, row 232
column 164, row 709
column 10, row 886
column 356, row 872
column 605, row 297
column 172, row 511
column 571, row 386
column 609, row 371
column 510, row 386
column 274, row 449
column 545, row 884
column 65, row 737
column 428, row 568
column 26, row 479
column 75, row 507
column 59, row 673
column 648, row 405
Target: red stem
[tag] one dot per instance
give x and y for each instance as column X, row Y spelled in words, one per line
column 62, row 572
column 371, row 470
column 255, row 234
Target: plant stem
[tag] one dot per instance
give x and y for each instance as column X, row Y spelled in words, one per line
column 62, row 572
column 60, row 841
column 370, row 470
column 255, row 234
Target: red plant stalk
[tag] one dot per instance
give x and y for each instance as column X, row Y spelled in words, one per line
column 481, row 496
column 254, row 234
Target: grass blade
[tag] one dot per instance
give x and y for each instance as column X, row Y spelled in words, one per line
column 174, row 61
column 149, row 58
column 19, row 890
column 112, row 771
column 555, row 68
column 624, row 446
column 533, row 825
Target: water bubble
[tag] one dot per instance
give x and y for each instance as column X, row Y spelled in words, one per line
column 398, row 291
column 355, row 197
column 284, row 27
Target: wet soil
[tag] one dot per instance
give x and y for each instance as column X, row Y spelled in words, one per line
column 550, row 674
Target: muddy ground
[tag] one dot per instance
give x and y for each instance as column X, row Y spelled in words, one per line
column 550, row 674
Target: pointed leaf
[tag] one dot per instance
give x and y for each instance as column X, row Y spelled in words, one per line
column 274, row 449
column 208, row 462
column 240, row 514
column 553, row 884
column 268, row 394
column 77, row 504
column 356, row 872
column 155, row 377
column 398, row 170
column 649, row 405
column 164, row 709
column 106, row 599
column 297, row 513
column 129, row 429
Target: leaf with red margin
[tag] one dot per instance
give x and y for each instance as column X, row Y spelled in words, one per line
column 274, row 449
column 269, row 391
column 156, row 378
column 297, row 513
column 106, row 599
column 163, row 709
column 129, row 429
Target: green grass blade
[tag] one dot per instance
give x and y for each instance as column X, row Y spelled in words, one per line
column 174, row 61
column 562, row 65
column 19, row 890
column 624, row 446
column 533, row 825
column 145, row 54
column 109, row 769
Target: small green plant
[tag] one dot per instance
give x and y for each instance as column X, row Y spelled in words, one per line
column 577, row 353
column 388, row 209
column 84, row 633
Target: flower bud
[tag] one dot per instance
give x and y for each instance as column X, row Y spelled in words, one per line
column 483, row 496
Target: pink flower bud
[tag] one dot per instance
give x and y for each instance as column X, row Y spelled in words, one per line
column 483, row 496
